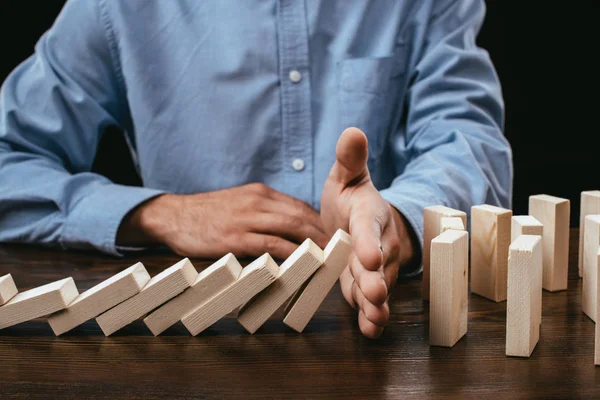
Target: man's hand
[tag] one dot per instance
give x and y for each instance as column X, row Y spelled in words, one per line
column 380, row 236
column 247, row 221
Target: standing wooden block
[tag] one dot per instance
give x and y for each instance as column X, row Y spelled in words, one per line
column 253, row 279
column 590, row 204
column 597, row 341
column 160, row 289
column 100, row 298
column 449, row 304
column 294, row 271
column 8, row 289
column 553, row 213
column 308, row 299
column 524, row 296
column 431, row 229
column 525, row 225
column 208, row 283
column 591, row 244
column 490, row 238
column 454, row 223
column 38, row 302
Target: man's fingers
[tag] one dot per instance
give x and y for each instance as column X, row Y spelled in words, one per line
column 378, row 315
column 368, row 328
column 295, row 229
column 371, row 283
column 351, row 153
column 346, row 283
column 256, row 244
column 366, row 229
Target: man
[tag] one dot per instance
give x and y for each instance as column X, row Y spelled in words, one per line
column 233, row 109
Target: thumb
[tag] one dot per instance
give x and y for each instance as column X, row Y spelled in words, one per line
column 351, row 158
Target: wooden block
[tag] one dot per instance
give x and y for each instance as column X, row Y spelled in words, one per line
column 100, row 298
column 490, row 238
column 454, row 223
column 525, row 225
column 208, row 283
column 597, row 341
column 294, row 271
column 553, row 213
column 8, row 289
column 431, row 228
column 306, row 302
column 449, row 303
column 157, row 291
column 590, row 204
column 38, row 302
column 591, row 244
column 524, row 296
column 254, row 278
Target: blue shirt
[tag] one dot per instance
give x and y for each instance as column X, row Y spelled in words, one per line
column 215, row 94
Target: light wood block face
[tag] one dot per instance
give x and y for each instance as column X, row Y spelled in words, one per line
column 38, row 302
column 597, row 341
column 490, row 238
column 449, row 304
column 553, row 213
column 525, row 225
column 590, row 204
column 590, row 265
column 294, row 271
column 455, row 223
column 254, row 278
column 209, row 282
column 8, row 289
column 309, row 298
column 100, row 298
column 524, row 303
column 157, row 291
column 431, row 229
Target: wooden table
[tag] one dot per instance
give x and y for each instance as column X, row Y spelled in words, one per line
column 329, row 360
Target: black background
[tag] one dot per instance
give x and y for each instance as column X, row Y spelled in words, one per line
column 543, row 52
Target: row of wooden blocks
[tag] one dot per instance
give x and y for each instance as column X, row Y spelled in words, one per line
column 180, row 293
column 512, row 258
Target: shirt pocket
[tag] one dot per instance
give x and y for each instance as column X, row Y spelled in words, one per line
column 370, row 95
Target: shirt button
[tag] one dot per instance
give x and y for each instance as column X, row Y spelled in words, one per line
column 298, row 164
column 295, row 76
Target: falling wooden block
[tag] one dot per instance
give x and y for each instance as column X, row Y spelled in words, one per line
column 525, row 225
column 524, row 295
column 455, row 223
column 590, row 204
column 449, row 303
column 597, row 341
column 157, row 291
column 306, row 302
column 254, row 278
column 431, row 229
column 208, row 283
column 8, row 289
column 294, row 271
column 553, row 213
column 490, row 238
column 38, row 302
column 100, row 298
column 591, row 241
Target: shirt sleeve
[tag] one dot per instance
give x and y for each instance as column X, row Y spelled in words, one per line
column 458, row 155
column 53, row 110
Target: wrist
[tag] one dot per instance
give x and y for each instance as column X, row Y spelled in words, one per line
column 144, row 225
column 410, row 251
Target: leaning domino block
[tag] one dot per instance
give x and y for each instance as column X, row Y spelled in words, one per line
column 591, row 243
column 253, row 279
column 160, row 289
column 490, row 238
column 553, row 213
column 455, row 223
column 590, row 204
column 431, row 228
column 292, row 274
column 449, row 302
column 597, row 341
column 8, row 289
column 306, row 302
column 208, row 283
column 524, row 296
column 38, row 302
column 100, row 298
column 525, row 225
